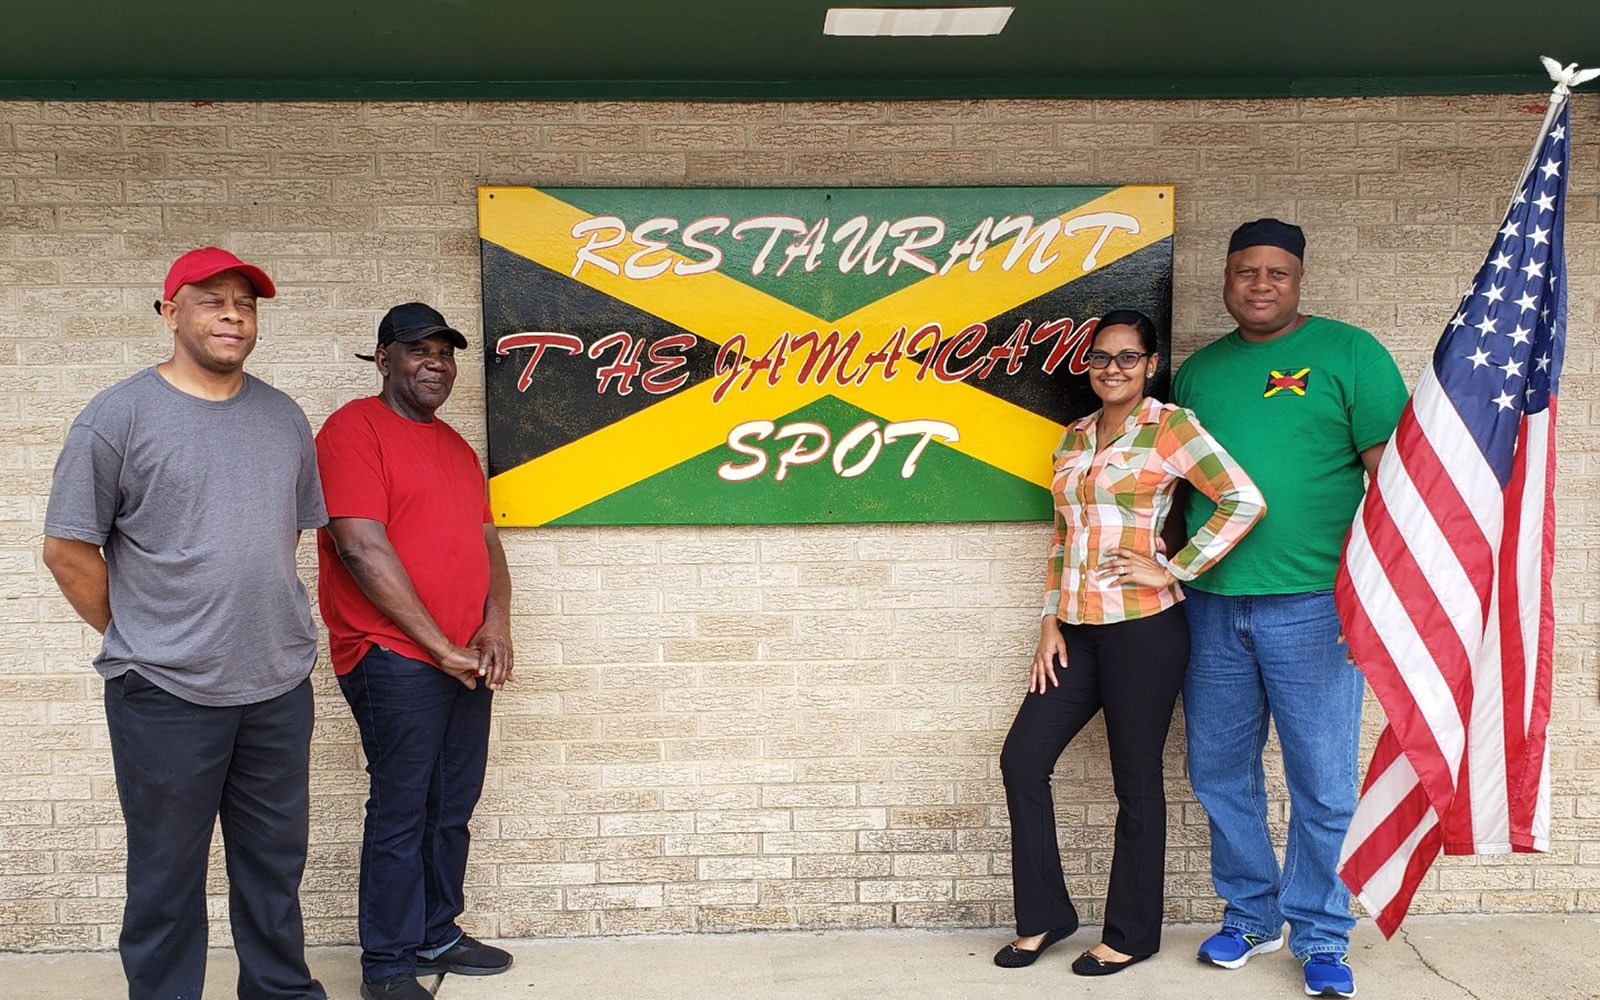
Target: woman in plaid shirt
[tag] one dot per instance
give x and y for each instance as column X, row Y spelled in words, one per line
column 1112, row 636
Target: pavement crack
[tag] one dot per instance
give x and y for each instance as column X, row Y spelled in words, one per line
column 1434, row 968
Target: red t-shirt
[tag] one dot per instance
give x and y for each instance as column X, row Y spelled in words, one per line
column 424, row 483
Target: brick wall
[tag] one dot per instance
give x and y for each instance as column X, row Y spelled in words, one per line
column 792, row 726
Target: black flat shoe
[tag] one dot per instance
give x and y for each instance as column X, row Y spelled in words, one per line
column 1012, row 957
column 1090, row 964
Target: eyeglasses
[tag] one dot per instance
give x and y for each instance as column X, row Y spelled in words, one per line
column 1126, row 360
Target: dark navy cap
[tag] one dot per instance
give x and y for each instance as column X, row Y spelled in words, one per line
column 1269, row 233
column 411, row 322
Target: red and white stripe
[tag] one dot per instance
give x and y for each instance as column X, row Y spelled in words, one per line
column 1444, row 592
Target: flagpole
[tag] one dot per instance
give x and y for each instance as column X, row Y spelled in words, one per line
column 1565, row 78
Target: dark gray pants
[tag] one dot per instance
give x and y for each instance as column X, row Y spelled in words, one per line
column 179, row 765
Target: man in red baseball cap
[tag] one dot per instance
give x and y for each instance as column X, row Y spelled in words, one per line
column 174, row 516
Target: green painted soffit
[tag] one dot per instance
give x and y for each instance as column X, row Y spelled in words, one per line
column 774, row 49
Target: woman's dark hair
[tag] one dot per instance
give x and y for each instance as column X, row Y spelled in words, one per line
column 1146, row 327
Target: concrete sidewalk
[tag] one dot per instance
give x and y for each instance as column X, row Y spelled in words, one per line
column 1544, row 957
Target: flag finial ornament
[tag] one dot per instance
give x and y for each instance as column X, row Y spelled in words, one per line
column 1566, row 77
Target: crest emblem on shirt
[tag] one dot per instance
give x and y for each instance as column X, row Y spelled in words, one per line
column 1287, row 381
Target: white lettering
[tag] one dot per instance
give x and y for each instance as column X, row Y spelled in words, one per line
column 593, row 228
column 905, row 252
column 972, row 247
column 778, row 224
column 796, row 453
column 853, row 231
column 736, row 440
column 641, row 235
column 710, row 224
column 929, row 429
column 1031, row 234
column 1109, row 221
column 860, row 432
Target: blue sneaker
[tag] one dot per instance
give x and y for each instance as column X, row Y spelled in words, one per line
column 1231, row 947
column 1329, row 975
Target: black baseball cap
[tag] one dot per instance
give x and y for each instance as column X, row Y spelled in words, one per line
column 411, row 322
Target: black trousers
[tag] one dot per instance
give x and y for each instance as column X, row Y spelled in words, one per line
column 426, row 739
column 179, row 765
column 1133, row 670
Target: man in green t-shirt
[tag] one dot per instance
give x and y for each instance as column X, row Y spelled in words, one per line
column 1306, row 405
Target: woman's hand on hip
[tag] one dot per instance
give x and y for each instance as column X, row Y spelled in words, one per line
column 1125, row 566
column 1052, row 649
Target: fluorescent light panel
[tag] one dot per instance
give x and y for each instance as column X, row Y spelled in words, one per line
column 876, row 21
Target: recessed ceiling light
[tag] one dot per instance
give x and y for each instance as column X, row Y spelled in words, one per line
column 872, row 21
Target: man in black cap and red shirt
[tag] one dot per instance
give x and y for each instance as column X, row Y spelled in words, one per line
column 416, row 595
column 177, row 504
column 1305, row 404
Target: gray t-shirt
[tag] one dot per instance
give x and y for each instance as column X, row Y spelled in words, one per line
column 197, row 505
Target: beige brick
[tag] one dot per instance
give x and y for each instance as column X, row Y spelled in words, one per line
column 840, row 166
column 737, row 167
column 66, row 137
column 800, row 136
column 717, row 727
column 835, row 111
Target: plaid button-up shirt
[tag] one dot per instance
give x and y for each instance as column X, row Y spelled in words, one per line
column 1119, row 497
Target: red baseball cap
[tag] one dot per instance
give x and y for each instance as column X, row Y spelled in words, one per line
column 198, row 265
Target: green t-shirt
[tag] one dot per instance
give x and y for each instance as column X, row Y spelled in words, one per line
column 1296, row 412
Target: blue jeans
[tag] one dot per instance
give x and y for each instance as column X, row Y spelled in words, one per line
column 1276, row 656
column 426, row 740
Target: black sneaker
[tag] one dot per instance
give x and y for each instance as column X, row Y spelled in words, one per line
column 467, row 957
column 401, row 987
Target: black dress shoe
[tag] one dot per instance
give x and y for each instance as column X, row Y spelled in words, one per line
column 1090, row 964
column 467, row 957
column 396, row 988
column 1012, row 957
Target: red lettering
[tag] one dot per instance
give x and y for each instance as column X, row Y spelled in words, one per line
column 963, row 345
column 1069, row 341
column 1010, row 352
column 540, row 342
column 888, row 356
column 834, row 356
column 933, row 330
column 655, row 381
column 626, row 366
column 772, row 363
column 734, row 346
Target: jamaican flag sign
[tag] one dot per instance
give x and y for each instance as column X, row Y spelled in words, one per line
column 791, row 355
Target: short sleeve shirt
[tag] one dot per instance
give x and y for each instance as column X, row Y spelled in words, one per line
column 423, row 483
column 1296, row 412
column 196, row 504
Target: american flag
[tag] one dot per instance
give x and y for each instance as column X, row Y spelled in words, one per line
column 1444, row 589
